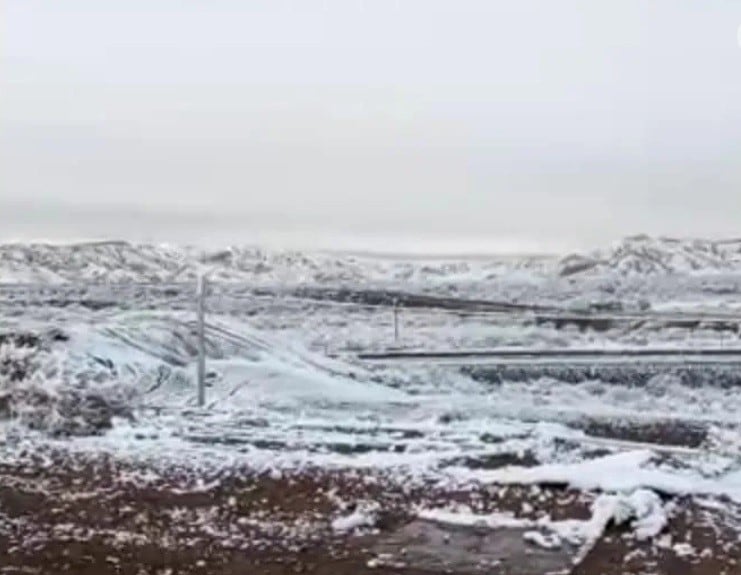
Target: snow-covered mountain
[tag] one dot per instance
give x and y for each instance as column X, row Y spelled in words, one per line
column 644, row 255
column 122, row 262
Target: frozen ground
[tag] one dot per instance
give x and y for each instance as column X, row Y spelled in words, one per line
column 105, row 369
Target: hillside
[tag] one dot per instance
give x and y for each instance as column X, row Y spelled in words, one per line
column 122, row 262
column 644, row 255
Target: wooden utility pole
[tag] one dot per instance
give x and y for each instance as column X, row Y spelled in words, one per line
column 201, row 369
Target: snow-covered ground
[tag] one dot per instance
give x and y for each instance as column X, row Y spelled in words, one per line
column 114, row 367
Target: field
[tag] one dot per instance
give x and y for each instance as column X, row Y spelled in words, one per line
column 311, row 456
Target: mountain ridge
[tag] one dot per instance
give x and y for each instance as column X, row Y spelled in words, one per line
column 117, row 261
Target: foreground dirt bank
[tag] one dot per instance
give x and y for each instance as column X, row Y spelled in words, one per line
column 76, row 514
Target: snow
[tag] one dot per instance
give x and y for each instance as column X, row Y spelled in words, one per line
column 639, row 256
column 641, row 508
column 363, row 517
column 684, row 550
column 276, row 401
column 642, row 255
column 268, row 389
column 463, row 516
column 621, row 472
column 122, row 262
column 646, row 510
column 545, row 541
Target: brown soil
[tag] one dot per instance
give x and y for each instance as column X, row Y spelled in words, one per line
column 99, row 516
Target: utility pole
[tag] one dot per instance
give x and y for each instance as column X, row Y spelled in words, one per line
column 396, row 322
column 201, row 368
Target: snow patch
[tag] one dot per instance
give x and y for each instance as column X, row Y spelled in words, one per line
column 642, row 509
column 622, row 472
column 463, row 516
column 364, row 516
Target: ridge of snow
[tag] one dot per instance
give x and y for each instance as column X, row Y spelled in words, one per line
column 122, row 262
column 644, row 255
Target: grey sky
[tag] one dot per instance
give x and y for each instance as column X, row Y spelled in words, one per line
column 538, row 123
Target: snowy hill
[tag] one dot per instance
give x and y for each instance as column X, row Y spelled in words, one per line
column 122, row 262
column 643, row 255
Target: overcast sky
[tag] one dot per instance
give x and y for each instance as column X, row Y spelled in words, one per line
column 410, row 124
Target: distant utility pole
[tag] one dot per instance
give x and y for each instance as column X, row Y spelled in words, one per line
column 396, row 321
column 201, row 369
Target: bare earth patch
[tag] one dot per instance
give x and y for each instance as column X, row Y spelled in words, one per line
column 96, row 515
